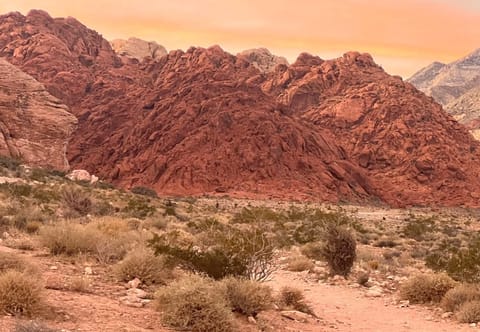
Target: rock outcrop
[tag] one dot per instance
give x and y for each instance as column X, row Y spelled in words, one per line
column 204, row 122
column 456, row 86
column 135, row 48
column 262, row 59
column 34, row 126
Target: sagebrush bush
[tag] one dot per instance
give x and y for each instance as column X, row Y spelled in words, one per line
column 426, row 288
column 459, row 295
column 20, row 293
column 340, row 250
column 247, row 297
column 143, row 264
column 469, row 312
column 293, row 298
column 139, row 190
column 196, row 304
column 299, row 263
column 77, row 200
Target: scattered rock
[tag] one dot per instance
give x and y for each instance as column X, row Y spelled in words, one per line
column 88, row 271
column 296, row 315
column 82, row 175
column 134, row 283
column 251, row 320
column 374, row 291
column 447, row 314
column 138, row 293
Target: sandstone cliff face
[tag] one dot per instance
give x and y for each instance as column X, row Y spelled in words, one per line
column 205, row 121
column 34, row 126
column 135, row 48
column 456, row 86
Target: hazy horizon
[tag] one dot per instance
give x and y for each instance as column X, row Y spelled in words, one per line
column 402, row 36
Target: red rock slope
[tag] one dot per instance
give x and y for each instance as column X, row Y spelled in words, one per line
column 34, row 125
column 206, row 121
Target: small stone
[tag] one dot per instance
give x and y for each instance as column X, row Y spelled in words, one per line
column 374, row 292
column 447, row 314
column 134, row 283
column 251, row 320
column 473, row 325
column 88, row 271
column 295, row 315
column 138, row 293
column 404, row 304
column 53, row 268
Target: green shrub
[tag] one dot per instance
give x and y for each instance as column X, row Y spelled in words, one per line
column 340, row 250
column 235, row 252
column 462, row 264
column 459, row 295
column 20, row 293
column 313, row 250
column 144, row 191
column 293, row 298
column 469, row 312
column 418, row 228
column 247, row 297
column 426, row 288
column 141, row 263
column 250, row 215
column 9, row 163
column 195, row 304
column 139, row 208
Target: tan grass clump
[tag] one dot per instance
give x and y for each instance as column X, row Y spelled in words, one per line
column 20, row 293
column 459, row 295
column 196, row 304
column 10, row 261
column 469, row 312
column 293, row 298
column 143, row 264
column 300, row 263
column 426, row 288
column 247, row 297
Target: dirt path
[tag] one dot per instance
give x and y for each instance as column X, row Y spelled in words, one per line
column 348, row 309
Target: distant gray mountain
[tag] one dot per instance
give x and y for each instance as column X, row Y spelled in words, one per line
column 456, row 86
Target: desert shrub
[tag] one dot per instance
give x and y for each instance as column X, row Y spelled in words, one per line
column 10, row 163
column 32, row 326
column 246, row 253
column 17, row 189
column 96, row 239
column 459, row 295
column 340, row 250
column 293, row 298
column 102, row 208
column 462, row 264
column 469, row 312
column 363, row 278
column 196, row 304
column 418, row 228
column 250, row 215
column 139, row 208
column 10, row 261
column 299, row 263
column 141, row 263
column 76, row 200
column 20, row 293
column 80, row 284
column 247, row 297
column 385, row 243
column 426, row 288
column 317, row 224
column 144, row 191
column 313, row 250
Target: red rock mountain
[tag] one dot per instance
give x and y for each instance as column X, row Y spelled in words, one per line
column 205, row 121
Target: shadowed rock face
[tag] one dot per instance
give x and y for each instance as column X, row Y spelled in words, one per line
column 456, row 86
column 205, row 121
column 34, row 126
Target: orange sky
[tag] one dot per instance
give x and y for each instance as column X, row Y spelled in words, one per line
column 402, row 35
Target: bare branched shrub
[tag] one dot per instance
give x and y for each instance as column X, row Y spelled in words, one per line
column 247, row 297
column 426, row 288
column 20, row 293
column 196, row 304
column 77, row 200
